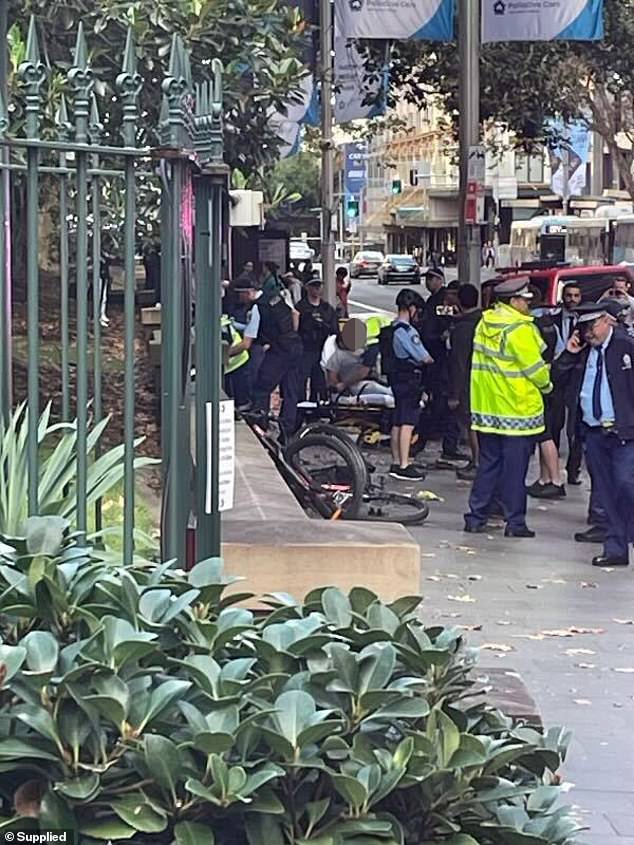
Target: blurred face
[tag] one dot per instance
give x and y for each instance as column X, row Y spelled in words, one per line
column 248, row 266
column 315, row 291
column 572, row 298
column 596, row 332
column 433, row 283
column 354, row 335
column 247, row 295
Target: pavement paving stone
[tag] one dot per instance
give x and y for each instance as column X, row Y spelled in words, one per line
column 523, row 597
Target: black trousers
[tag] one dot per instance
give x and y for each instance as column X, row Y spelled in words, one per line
column 501, row 477
column 559, row 414
column 611, row 465
column 313, row 373
column 280, row 368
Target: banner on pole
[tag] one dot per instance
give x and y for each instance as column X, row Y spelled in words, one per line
column 542, row 20
column 430, row 20
column 352, row 87
column 572, row 152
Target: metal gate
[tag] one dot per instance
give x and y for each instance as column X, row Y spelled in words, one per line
column 71, row 157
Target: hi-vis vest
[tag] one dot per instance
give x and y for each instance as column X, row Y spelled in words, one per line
column 508, row 374
column 230, row 337
column 374, row 324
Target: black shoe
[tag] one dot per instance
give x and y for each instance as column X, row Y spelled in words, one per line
column 454, row 456
column 524, row 531
column 574, row 479
column 410, row 473
column 592, row 535
column 471, row 528
column 546, row 491
column 607, row 560
column 467, row 473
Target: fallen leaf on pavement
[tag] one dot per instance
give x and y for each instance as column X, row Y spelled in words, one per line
column 627, row 670
column 571, row 652
column 465, row 599
column 428, row 554
column 497, row 647
column 585, row 665
column 542, row 508
column 575, row 630
column 624, row 621
column 474, row 577
column 529, row 636
column 503, row 622
column 534, row 587
column 433, row 578
column 554, row 581
column 451, row 615
column 583, row 701
column 466, row 549
column 588, row 584
column 452, row 576
column 429, row 496
column 469, row 627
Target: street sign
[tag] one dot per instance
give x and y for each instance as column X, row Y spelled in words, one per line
column 226, row 456
column 477, row 164
column 474, row 204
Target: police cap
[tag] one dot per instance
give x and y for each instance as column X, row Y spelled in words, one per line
column 514, row 287
column 244, row 282
column 589, row 311
column 314, row 280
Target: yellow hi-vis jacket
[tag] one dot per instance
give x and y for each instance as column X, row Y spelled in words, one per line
column 508, row 374
column 231, row 337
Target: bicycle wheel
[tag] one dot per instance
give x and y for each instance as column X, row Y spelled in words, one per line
column 355, row 455
column 393, row 507
column 337, row 480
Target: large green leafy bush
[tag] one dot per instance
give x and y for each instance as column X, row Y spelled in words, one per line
column 141, row 704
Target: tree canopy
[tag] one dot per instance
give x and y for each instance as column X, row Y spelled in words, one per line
column 524, row 85
column 260, row 43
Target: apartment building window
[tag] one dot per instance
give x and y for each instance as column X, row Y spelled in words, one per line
column 529, row 168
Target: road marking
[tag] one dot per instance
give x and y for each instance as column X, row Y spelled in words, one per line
column 368, row 307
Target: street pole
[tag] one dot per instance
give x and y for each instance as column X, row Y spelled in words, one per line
column 5, row 235
column 565, row 164
column 327, row 149
column 469, row 241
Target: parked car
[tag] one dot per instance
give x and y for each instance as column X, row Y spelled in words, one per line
column 399, row 268
column 594, row 280
column 366, row 263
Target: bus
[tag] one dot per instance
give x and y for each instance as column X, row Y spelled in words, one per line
column 574, row 240
column 622, row 240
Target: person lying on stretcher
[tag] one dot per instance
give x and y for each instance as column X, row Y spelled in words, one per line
column 348, row 363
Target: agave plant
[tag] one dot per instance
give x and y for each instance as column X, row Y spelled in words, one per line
column 57, row 444
column 141, row 702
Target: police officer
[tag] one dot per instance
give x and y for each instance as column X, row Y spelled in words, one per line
column 405, row 375
column 508, row 378
column 317, row 322
column 599, row 363
column 235, row 366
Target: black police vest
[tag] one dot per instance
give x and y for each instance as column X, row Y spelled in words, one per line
column 276, row 324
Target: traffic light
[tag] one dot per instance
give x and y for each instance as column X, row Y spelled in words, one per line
column 397, row 186
column 352, row 208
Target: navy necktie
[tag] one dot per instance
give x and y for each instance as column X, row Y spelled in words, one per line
column 596, row 389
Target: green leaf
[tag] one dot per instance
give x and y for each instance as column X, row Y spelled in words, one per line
column 55, row 813
column 42, row 652
column 111, row 829
column 264, row 830
column 294, row 711
column 376, row 666
column 162, row 698
column 15, row 749
column 337, row 607
column 11, row 658
column 350, row 789
column 79, row 789
column 445, row 735
column 44, row 534
column 162, row 760
column 136, row 811
column 316, row 810
column 39, row 720
column 193, row 833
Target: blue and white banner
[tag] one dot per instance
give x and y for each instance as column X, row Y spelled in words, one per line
column 288, row 126
column 542, row 20
column 430, row 20
column 569, row 158
column 356, row 96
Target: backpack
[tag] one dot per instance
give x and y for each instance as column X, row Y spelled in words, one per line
column 389, row 361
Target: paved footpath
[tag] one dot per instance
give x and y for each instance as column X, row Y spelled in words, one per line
column 517, row 590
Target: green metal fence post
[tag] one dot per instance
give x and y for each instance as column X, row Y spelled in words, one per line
column 95, row 129
column 5, row 274
column 173, row 134
column 210, row 192
column 32, row 73
column 81, row 78
column 64, row 133
column 129, row 85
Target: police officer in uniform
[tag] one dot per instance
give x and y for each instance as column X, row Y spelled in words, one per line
column 508, row 380
column 317, row 322
column 235, row 366
column 599, row 364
